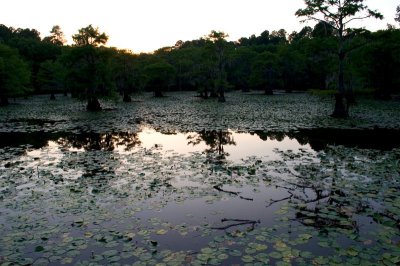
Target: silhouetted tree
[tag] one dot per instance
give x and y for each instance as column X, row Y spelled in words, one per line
column 339, row 14
column 219, row 44
column 89, row 36
column 6, row 33
column 57, row 36
column 91, row 64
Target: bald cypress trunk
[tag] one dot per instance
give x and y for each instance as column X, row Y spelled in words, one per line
column 341, row 109
column 93, row 104
column 127, row 98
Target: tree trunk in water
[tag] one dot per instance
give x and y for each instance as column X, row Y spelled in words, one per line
column 158, row 93
column 221, row 96
column 52, row 96
column 93, row 104
column 341, row 110
column 268, row 91
column 205, row 94
column 245, row 88
column 127, row 98
column 4, row 100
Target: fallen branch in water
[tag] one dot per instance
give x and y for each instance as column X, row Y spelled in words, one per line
column 232, row 193
column 238, row 223
column 272, row 202
column 226, row 191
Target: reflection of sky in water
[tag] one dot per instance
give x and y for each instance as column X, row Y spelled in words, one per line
column 246, row 144
column 44, row 159
column 169, row 142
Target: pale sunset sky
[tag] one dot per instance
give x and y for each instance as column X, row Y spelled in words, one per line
column 146, row 25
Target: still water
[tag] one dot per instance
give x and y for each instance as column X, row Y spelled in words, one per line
column 200, row 198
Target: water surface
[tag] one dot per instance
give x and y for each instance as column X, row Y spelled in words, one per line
column 200, row 198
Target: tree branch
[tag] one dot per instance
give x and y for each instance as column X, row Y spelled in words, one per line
column 357, row 18
column 272, row 202
column 232, row 193
column 238, row 223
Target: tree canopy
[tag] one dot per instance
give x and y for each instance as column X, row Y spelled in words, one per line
column 57, row 36
column 89, row 36
column 14, row 74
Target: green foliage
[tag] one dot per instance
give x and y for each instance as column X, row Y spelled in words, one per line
column 124, row 71
column 377, row 65
column 292, row 66
column 14, row 73
column 51, row 76
column 240, row 69
column 266, row 72
column 159, row 75
column 89, row 71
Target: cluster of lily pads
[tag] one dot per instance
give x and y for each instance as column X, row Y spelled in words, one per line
column 183, row 112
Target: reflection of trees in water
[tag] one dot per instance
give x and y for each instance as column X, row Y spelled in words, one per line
column 339, row 190
column 319, row 139
column 301, row 136
column 216, row 140
column 97, row 141
column 263, row 135
column 322, row 208
column 97, row 167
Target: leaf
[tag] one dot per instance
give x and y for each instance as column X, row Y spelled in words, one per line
column 207, row 250
column 247, row 259
column 161, row 232
column 222, row 256
column 235, row 253
column 275, row 255
column 39, row 249
column 110, row 253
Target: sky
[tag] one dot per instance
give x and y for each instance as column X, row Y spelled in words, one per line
column 146, row 25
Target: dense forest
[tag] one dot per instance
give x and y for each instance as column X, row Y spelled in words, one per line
column 210, row 65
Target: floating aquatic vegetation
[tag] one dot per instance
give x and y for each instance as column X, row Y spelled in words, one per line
column 100, row 197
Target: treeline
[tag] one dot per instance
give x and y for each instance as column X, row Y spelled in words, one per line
column 210, row 65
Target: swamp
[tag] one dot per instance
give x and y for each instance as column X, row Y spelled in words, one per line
column 257, row 180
